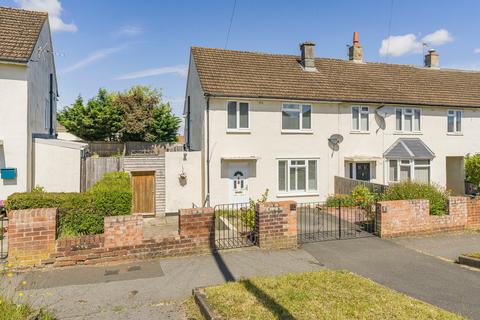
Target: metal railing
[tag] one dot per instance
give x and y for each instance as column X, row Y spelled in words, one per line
column 235, row 226
column 3, row 235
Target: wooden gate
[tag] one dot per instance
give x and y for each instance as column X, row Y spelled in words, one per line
column 143, row 188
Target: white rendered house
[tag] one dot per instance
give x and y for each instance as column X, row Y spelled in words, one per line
column 28, row 104
column 290, row 123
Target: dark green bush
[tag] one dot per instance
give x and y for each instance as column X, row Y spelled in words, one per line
column 409, row 190
column 337, row 200
column 81, row 213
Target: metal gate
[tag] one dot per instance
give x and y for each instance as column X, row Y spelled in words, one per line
column 3, row 235
column 317, row 221
column 235, row 226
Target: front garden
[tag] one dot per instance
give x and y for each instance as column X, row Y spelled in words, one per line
column 81, row 213
column 314, row 295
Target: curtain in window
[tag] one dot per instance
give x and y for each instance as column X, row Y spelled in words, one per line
column 422, row 174
column 393, row 174
column 398, row 118
column 364, row 121
column 312, row 175
column 459, row 120
column 355, row 118
column 405, row 173
column 416, row 123
column 282, row 175
column 408, row 119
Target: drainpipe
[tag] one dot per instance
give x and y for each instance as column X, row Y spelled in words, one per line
column 50, row 131
column 208, row 152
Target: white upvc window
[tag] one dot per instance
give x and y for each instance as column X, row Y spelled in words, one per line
column 454, row 121
column 407, row 169
column 360, row 119
column 408, row 119
column 296, row 117
column 238, row 115
column 297, row 175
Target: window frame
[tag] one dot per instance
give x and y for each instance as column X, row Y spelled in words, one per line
column 360, row 112
column 351, row 167
column 288, row 191
column 402, row 120
column 237, row 116
column 412, row 165
column 455, row 121
column 300, row 116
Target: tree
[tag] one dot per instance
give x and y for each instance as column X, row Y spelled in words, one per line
column 145, row 116
column 98, row 120
column 472, row 169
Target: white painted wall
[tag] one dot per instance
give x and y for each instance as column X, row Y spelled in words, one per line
column 57, row 164
column 182, row 196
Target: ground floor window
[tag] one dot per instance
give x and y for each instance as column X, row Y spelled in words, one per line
column 408, row 169
column 297, row 175
column 360, row 170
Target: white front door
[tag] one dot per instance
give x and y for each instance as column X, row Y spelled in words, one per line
column 238, row 182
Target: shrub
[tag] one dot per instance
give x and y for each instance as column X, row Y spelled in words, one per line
column 81, row 213
column 409, row 190
column 363, row 198
column 344, row 200
column 472, row 169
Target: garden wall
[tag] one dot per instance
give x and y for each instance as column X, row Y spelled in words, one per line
column 473, row 208
column 412, row 217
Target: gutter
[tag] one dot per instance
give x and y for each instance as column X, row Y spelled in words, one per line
column 50, row 130
column 208, row 152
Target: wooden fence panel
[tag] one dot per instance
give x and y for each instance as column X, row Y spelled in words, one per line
column 95, row 168
column 345, row 185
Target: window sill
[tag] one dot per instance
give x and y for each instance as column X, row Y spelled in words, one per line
column 239, row 131
column 297, row 131
column 359, row 132
column 298, row 194
column 407, row 133
column 455, row 134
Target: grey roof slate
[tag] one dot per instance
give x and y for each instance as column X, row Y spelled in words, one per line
column 409, row 148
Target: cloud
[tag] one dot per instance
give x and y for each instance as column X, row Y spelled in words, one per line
column 129, row 31
column 409, row 43
column 476, row 50
column 438, row 37
column 92, row 58
column 54, row 9
column 180, row 70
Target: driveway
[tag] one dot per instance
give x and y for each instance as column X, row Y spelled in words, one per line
column 424, row 277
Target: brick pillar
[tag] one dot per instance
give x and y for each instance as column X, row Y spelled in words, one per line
column 31, row 235
column 122, row 231
column 473, row 212
column 277, row 225
column 198, row 224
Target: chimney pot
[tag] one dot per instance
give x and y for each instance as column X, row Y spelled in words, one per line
column 355, row 52
column 307, row 51
column 432, row 60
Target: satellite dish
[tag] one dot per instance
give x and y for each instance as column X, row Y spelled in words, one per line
column 335, row 139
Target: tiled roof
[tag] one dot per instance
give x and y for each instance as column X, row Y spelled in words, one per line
column 19, row 31
column 247, row 74
column 409, row 148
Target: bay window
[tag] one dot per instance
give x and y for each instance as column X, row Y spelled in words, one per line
column 360, row 118
column 406, row 170
column 454, row 121
column 297, row 176
column 408, row 119
column 237, row 114
column 296, row 116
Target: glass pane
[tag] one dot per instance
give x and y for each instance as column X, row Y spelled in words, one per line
column 301, row 178
column 292, row 179
column 398, row 114
column 422, row 174
column 290, row 118
column 417, row 120
column 232, row 115
column 422, row 162
column 306, row 117
column 459, row 121
column 408, row 123
column 282, row 175
column 355, row 116
column 312, row 175
column 364, row 121
column 243, row 115
column 450, row 123
column 404, row 173
column 393, row 174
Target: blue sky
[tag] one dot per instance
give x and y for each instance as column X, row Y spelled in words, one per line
column 118, row 43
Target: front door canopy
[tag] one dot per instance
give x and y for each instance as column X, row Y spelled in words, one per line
column 409, row 148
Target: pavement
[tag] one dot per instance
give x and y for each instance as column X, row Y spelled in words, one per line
column 390, row 263
column 149, row 289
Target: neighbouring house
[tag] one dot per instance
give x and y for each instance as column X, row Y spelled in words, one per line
column 28, row 103
column 291, row 123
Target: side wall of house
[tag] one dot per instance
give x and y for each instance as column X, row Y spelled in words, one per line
column 13, row 127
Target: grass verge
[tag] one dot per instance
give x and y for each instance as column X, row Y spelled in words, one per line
column 13, row 311
column 473, row 255
column 315, row 295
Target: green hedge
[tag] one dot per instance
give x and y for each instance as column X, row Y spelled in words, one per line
column 81, row 213
column 409, row 190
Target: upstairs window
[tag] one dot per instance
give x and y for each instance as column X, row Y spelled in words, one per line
column 296, row 116
column 408, row 119
column 238, row 113
column 454, row 121
column 360, row 118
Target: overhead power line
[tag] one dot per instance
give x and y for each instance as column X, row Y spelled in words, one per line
column 231, row 21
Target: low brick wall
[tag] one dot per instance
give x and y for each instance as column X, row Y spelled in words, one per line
column 123, row 231
column 473, row 209
column 412, row 217
column 31, row 235
column 277, row 225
